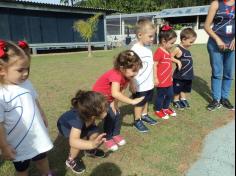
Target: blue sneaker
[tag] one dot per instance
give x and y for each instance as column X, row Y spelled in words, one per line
column 178, row 105
column 185, row 103
column 140, row 126
column 149, row 120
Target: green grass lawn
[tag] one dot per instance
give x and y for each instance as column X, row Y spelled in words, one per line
column 168, row 149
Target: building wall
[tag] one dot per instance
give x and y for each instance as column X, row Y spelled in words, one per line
column 43, row 27
column 117, row 40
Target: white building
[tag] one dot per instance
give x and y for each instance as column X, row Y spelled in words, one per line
column 118, row 25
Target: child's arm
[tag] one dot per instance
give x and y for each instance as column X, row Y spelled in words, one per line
column 42, row 113
column 78, row 143
column 156, row 81
column 7, row 151
column 116, row 93
column 176, row 53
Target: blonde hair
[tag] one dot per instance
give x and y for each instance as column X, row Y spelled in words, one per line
column 142, row 24
column 11, row 52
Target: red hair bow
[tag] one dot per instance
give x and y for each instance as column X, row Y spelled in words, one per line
column 166, row 28
column 23, row 44
column 2, row 48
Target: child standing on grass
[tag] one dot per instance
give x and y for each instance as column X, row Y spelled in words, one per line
column 79, row 126
column 163, row 73
column 143, row 82
column 111, row 84
column 183, row 77
column 23, row 125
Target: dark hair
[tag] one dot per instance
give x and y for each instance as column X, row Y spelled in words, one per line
column 166, row 35
column 126, row 60
column 89, row 104
column 187, row 33
column 10, row 50
column 142, row 24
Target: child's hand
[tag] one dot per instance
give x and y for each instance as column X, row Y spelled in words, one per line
column 99, row 140
column 8, row 153
column 179, row 64
column 137, row 100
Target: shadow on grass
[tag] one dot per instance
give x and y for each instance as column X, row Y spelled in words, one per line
column 58, row 155
column 201, row 87
column 106, row 169
column 127, row 110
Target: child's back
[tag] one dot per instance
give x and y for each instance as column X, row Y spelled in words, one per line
column 25, row 129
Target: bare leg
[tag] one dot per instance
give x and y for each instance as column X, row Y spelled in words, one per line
column 182, row 96
column 177, row 97
column 145, row 109
column 25, row 173
column 43, row 166
column 138, row 112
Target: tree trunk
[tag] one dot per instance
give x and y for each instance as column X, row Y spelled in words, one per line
column 89, row 49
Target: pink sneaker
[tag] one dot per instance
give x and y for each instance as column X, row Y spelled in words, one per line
column 170, row 112
column 119, row 140
column 111, row 145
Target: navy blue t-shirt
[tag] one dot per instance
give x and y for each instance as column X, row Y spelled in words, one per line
column 224, row 22
column 68, row 120
column 186, row 72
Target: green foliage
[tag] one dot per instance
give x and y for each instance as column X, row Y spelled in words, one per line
column 131, row 6
column 178, row 27
column 87, row 28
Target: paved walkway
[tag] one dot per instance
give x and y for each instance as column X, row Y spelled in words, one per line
column 218, row 156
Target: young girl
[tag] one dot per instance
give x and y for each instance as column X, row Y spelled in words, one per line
column 111, row 84
column 79, row 126
column 23, row 125
column 221, row 48
column 163, row 72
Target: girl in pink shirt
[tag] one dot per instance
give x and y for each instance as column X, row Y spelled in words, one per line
column 111, row 84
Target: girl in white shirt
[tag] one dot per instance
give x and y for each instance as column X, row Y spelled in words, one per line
column 23, row 125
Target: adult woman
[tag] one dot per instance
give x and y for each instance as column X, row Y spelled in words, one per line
column 221, row 48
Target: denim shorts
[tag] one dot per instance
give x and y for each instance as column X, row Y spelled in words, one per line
column 182, row 86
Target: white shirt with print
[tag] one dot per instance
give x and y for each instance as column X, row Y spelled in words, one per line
column 144, row 79
column 24, row 127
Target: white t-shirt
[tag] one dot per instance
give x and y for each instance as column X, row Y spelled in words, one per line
column 24, row 127
column 144, row 79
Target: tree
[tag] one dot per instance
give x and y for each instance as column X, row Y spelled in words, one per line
column 133, row 6
column 87, row 29
column 67, row 2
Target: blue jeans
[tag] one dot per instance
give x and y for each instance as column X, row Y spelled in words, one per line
column 222, row 64
column 112, row 124
column 164, row 97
